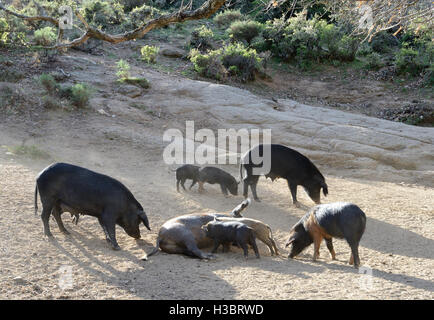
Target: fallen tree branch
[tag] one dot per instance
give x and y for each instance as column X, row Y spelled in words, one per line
column 206, row 10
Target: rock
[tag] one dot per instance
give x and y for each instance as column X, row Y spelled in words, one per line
column 129, row 90
column 172, row 52
column 20, row 281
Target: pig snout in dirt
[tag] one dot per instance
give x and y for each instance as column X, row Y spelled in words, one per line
column 334, row 220
column 213, row 175
column 282, row 162
column 227, row 232
column 66, row 187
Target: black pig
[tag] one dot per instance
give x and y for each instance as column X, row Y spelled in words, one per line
column 288, row 164
column 339, row 220
column 66, row 187
column 214, row 175
column 185, row 172
column 228, row 232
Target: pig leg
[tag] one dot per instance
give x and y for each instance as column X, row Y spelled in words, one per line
column 45, row 216
column 201, row 189
column 182, row 184
column 216, row 245
column 177, row 185
column 226, row 247
column 293, row 189
column 243, row 245
column 110, row 229
column 275, row 246
column 354, row 259
column 192, row 184
column 330, row 247
column 255, row 247
column 224, row 190
column 193, row 250
column 253, row 187
column 57, row 215
column 317, row 238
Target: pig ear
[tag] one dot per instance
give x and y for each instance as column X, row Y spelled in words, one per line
column 325, row 190
column 290, row 240
column 144, row 218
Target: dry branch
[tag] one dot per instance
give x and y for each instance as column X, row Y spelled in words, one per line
column 206, row 10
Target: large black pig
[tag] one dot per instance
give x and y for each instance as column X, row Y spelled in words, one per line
column 284, row 163
column 65, row 187
column 327, row 221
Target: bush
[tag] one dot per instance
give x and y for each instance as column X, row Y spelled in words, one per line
column 209, row 65
column 103, row 13
column 139, row 15
column 374, row 61
column 384, row 42
column 48, row 82
column 4, row 31
column 225, row 18
column 245, row 31
column 50, row 102
column 240, row 61
column 308, row 40
column 201, row 38
column 232, row 60
column 45, row 36
column 131, row 4
column 123, row 69
column 413, row 61
column 149, row 53
column 80, row 94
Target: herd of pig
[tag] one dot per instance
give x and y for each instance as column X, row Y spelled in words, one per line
column 69, row 188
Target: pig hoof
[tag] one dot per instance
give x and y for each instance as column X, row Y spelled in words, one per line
column 116, row 248
column 297, row 204
column 257, row 200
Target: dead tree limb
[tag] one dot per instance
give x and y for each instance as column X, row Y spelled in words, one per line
column 206, row 10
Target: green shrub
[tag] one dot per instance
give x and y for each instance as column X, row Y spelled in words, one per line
column 412, row 61
column 201, row 38
column 384, row 42
column 139, row 15
column 149, row 53
column 374, row 61
column 49, row 83
column 209, row 65
column 308, row 40
column 130, row 4
column 225, row 18
column 123, row 69
column 80, row 94
column 231, row 60
column 45, row 36
column 50, row 102
column 102, row 13
column 246, row 61
column 4, row 31
column 245, row 31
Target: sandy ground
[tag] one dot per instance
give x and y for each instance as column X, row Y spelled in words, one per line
column 397, row 247
column 396, row 251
